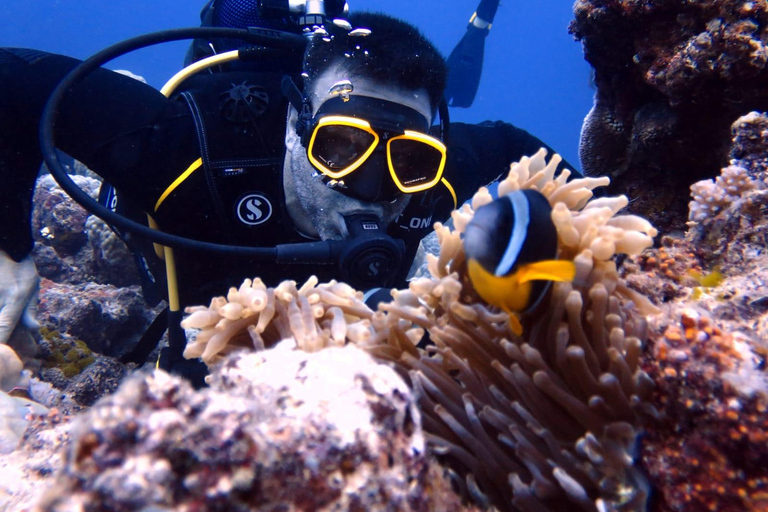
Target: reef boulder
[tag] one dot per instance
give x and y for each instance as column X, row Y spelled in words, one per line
column 279, row 429
column 671, row 78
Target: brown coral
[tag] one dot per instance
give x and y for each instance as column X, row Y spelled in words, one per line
column 528, row 423
column 671, row 77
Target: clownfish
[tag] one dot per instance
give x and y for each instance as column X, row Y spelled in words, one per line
column 511, row 248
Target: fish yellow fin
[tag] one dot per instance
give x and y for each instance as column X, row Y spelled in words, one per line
column 505, row 292
column 514, row 324
column 547, row 270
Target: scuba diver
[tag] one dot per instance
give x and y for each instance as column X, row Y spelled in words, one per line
column 335, row 164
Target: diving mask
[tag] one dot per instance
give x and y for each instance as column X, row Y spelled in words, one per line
column 346, row 135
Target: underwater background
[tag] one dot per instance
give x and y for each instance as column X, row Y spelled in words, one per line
column 534, row 75
column 642, row 385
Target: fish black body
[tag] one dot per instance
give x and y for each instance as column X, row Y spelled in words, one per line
column 511, row 246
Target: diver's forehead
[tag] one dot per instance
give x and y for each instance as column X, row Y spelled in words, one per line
column 334, row 81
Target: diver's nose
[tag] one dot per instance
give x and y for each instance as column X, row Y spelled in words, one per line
column 371, row 181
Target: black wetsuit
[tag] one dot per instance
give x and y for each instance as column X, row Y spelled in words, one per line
column 141, row 142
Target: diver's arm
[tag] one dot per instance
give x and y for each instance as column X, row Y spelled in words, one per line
column 480, row 154
column 107, row 122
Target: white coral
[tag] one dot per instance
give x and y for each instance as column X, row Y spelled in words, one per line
column 710, row 197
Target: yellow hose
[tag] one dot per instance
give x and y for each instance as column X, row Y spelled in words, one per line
column 193, row 68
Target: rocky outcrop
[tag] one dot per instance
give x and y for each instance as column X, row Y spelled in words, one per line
column 671, row 78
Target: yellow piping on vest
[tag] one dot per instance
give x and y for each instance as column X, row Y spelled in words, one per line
column 190, row 70
column 192, row 168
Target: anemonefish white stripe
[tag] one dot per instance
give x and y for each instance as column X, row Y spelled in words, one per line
column 521, row 210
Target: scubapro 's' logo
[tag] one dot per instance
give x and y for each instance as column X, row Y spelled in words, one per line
column 254, row 209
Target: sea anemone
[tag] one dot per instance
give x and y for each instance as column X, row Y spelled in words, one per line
column 541, row 421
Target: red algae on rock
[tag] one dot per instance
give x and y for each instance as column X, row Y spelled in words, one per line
column 709, row 450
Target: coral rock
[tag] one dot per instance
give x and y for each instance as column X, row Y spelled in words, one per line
column 279, row 429
column 707, row 352
column 708, row 451
column 671, row 77
column 110, row 320
column 72, row 246
column 28, row 470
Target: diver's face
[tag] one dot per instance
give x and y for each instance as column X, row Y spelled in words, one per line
column 316, row 208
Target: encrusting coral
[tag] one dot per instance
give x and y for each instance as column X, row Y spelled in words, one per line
column 707, row 351
column 541, row 421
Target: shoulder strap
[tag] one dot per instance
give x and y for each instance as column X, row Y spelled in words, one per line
column 202, row 140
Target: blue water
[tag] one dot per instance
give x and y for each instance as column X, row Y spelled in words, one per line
column 534, row 75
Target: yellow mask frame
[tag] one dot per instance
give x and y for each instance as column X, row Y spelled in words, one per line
column 365, row 126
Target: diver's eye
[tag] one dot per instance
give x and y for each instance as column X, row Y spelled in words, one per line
column 340, row 146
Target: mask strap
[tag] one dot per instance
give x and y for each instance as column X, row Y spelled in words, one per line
column 442, row 109
column 301, row 104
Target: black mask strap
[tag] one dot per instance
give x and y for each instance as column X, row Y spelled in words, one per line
column 445, row 121
column 300, row 103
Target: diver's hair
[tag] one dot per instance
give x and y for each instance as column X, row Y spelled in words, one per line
column 395, row 53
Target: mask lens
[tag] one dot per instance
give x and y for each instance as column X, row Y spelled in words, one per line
column 338, row 146
column 414, row 163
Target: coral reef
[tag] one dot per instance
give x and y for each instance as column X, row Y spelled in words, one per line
column 707, row 452
column 81, row 375
column 275, row 431
column 727, row 215
column 58, row 221
column 733, row 238
column 28, row 470
column 106, row 244
column 63, row 372
column 108, row 319
column 708, row 351
column 538, row 422
column 72, row 246
column 671, row 78
column 711, row 197
column 69, row 355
